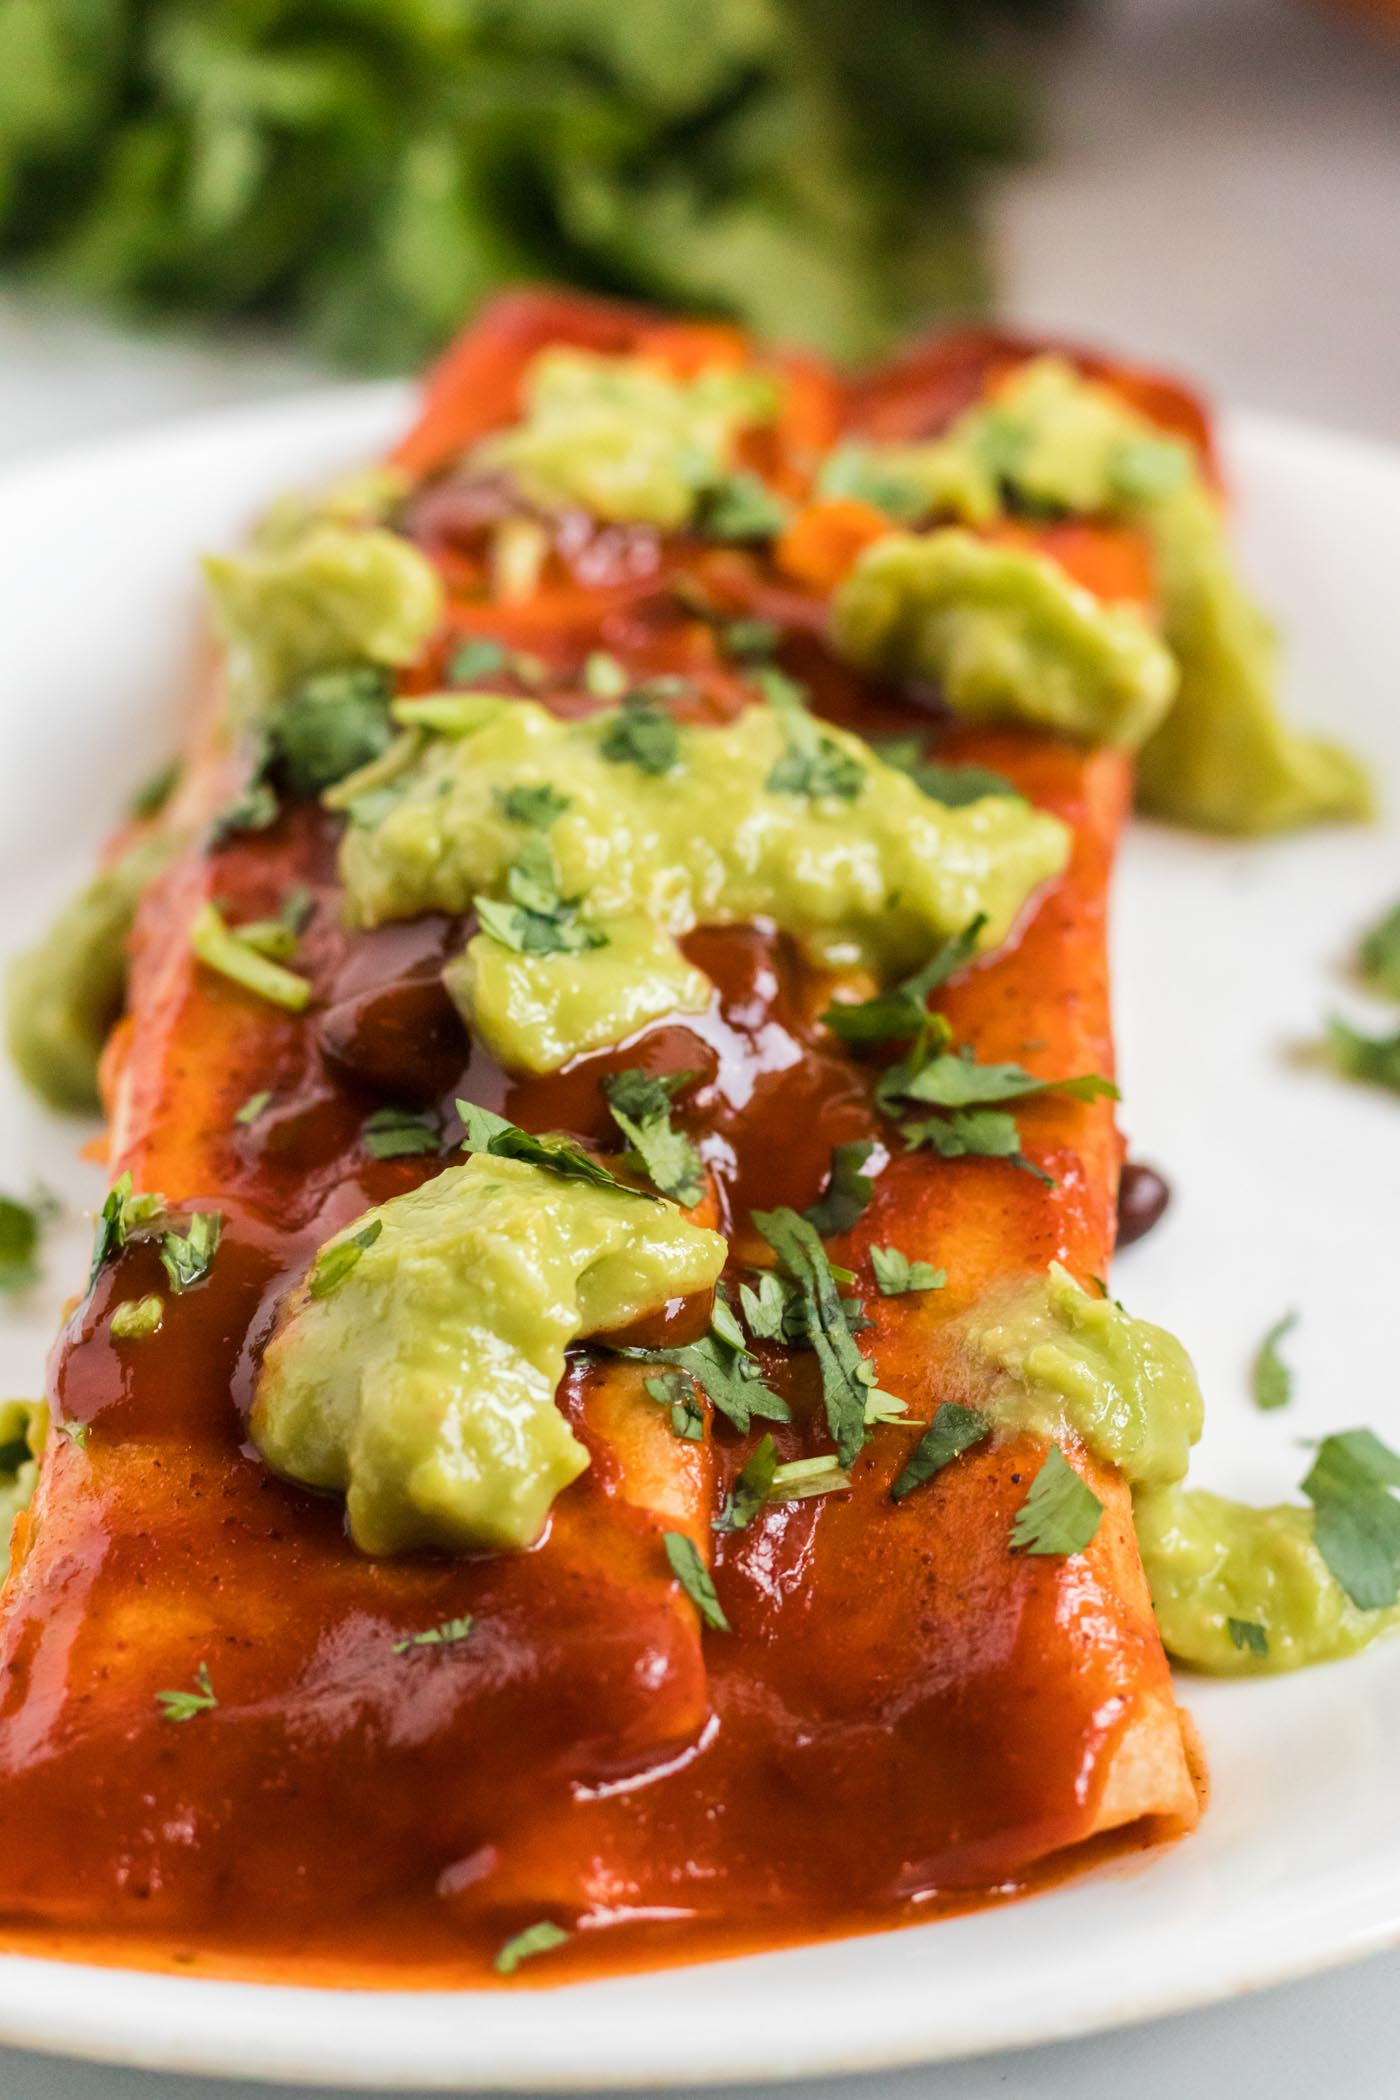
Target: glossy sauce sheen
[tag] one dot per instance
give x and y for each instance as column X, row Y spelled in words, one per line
column 905, row 1717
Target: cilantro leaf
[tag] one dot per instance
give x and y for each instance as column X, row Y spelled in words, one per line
column 535, row 1939
column 183, row 1706
column 849, row 1393
column 642, row 734
column 953, row 786
column 1061, row 1513
column 814, row 763
column 121, row 1217
column 535, row 919
column 675, row 1391
column 1249, row 1636
column 954, row 1079
column 333, row 1264
column 331, row 725
column 188, row 1257
column 399, row 1133
column 726, row 1372
column 954, row 1429
column 977, row 1133
column 1272, row 1379
column 536, row 806
column 847, row 1194
column 640, row 1105
column 488, row 1132
column 1373, row 1059
column 694, row 1578
column 1379, row 954
column 444, row 1636
column 897, row 1276
column 741, row 506
column 1356, row 1520
column 751, row 1489
column 478, row 658
column 903, row 1009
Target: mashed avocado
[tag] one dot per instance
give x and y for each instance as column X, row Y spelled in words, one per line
column 24, row 1426
column 1210, row 1560
column 1223, row 759
column 316, row 599
column 1062, row 1357
column 870, row 875
column 1007, row 635
column 621, row 439
column 420, row 1382
column 64, row 994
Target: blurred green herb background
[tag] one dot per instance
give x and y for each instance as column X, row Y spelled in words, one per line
column 366, row 170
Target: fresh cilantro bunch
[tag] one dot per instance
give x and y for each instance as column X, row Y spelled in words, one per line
column 369, row 169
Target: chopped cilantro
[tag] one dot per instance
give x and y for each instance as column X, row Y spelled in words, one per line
column 954, row 786
column 135, row 1318
column 1061, row 1513
column 954, row 1079
column 954, row 1429
column 675, row 1391
column 1375, row 1059
column 1356, row 1518
column 749, row 641
column 802, row 1478
column 536, row 920
column 1249, row 1636
column 640, row 1105
column 642, row 734
column 121, row 1217
column 897, row 1276
column 255, row 808
column 333, row 1264
column 849, row 1392
column 1379, row 954
column 220, row 948
column 478, row 658
column 860, row 473
column 332, row 725
column 399, row 1133
column 444, row 1636
column 183, row 1706
column 903, row 1009
column 488, row 1132
column 979, row 1133
column 814, row 764
column 535, row 1939
column 188, row 1257
column 722, row 1366
column 751, row 1489
column 1272, row 1379
column 694, row 1578
column 772, row 1308
column 151, row 798
column 741, row 506
column 534, row 806
column 847, row 1193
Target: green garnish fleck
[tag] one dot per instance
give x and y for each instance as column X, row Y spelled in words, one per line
column 694, row 1578
column 1379, row 954
column 640, row 1104
column 953, row 786
column 675, row 1391
column 535, row 1939
column 333, row 1264
column 188, row 1257
column 643, row 734
column 848, row 1191
column 476, row 659
column 220, row 948
column 1061, row 1513
column 1272, row 1379
column 135, row 1318
column 183, row 1706
column 1374, row 1059
column 399, row 1133
column 1248, row 1635
column 536, row 919
column 534, row 806
column 849, row 1393
column 122, row 1215
column 903, row 1009
column 450, row 1631
column 813, row 764
column 752, row 1486
column 954, row 1429
column 253, row 1107
column 488, row 1132
column 897, row 1276
column 151, row 798
column 741, row 506
column 1356, row 1517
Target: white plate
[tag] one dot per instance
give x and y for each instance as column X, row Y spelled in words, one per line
column 1286, row 1183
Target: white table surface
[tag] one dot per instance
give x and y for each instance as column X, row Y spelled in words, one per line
column 1221, row 191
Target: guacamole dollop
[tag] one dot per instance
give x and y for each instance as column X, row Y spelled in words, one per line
column 1060, row 1357
column 316, row 599
column 1222, row 757
column 64, row 993
column 1211, row 1560
column 1008, row 636
column 622, row 439
column 416, row 1370
column 868, row 874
